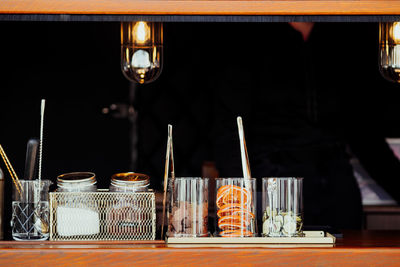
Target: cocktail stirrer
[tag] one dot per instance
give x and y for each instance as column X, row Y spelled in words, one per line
column 41, row 224
column 171, row 158
column 166, row 173
column 244, row 155
column 41, row 139
column 171, row 151
column 245, row 162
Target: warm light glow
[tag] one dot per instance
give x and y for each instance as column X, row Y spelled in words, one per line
column 127, row 54
column 141, row 50
column 141, row 32
column 141, row 59
column 396, row 32
column 389, row 50
column 155, row 56
column 396, row 57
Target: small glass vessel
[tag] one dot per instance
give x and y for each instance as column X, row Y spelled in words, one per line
column 127, row 215
column 30, row 211
column 236, row 207
column 188, row 211
column 282, row 206
column 78, row 214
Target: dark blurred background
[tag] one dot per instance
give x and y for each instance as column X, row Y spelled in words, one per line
column 76, row 68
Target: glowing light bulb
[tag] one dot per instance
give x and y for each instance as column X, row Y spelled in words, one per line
column 141, row 50
column 141, row 59
column 396, row 32
column 141, row 32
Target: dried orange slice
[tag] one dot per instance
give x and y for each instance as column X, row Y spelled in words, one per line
column 236, row 195
column 236, row 233
column 229, row 209
column 232, row 223
column 233, row 210
column 223, row 188
column 233, row 205
column 228, row 226
column 220, row 200
column 243, row 213
column 221, row 194
column 234, row 220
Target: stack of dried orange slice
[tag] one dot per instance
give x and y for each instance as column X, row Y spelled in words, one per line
column 234, row 211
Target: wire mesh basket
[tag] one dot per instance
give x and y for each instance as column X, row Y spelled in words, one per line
column 102, row 215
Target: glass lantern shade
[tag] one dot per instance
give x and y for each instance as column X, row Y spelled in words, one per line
column 141, row 50
column 389, row 50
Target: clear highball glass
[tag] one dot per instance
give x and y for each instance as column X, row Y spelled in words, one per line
column 30, row 211
column 235, row 207
column 282, row 206
column 188, row 210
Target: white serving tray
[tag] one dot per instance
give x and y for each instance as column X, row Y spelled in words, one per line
column 310, row 237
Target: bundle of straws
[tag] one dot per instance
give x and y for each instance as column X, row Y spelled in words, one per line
column 10, row 169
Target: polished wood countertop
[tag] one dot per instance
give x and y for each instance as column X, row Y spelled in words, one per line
column 359, row 248
column 203, row 7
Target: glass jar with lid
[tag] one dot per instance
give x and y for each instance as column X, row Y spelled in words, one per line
column 128, row 215
column 77, row 182
column 129, row 182
column 78, row 214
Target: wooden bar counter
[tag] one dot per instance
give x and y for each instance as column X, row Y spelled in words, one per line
column 366, row 248
column 203, row 7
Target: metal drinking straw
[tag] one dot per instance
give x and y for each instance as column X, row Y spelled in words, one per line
column 245, row 161
column 244, row 155
column 169, row 157
column 41, row 139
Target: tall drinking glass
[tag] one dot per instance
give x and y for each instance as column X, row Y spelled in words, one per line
column 236, row 207
column 282, row 206
column 188, row 211
column 30, row 211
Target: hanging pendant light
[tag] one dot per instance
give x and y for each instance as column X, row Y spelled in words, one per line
column 141, row 50
column 389, row 50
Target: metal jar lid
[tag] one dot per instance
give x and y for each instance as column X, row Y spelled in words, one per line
column 76, row 179
column 130, row 179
